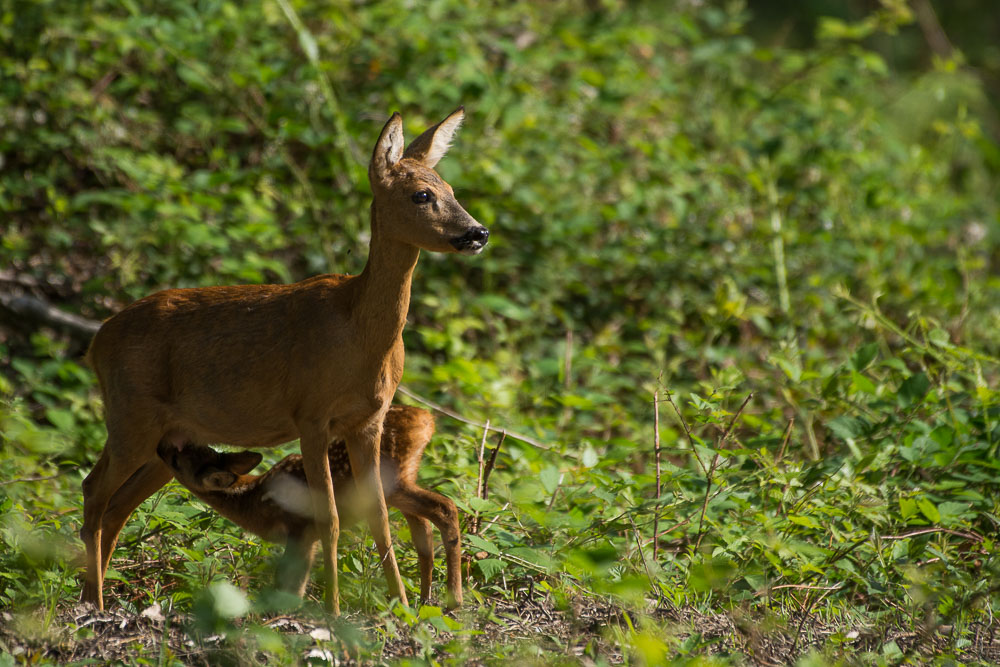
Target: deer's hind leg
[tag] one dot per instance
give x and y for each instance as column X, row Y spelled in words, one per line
column 441, row 511
column 143, row 483
column 119, row 461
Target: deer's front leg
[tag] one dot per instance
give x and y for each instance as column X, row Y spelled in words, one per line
column 317, row 469
column 363, row 450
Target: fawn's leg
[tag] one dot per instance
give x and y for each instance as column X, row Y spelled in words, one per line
column 363, row 450
column 314, row 445
column 296, row 563
column 423, row 542
column 441, row 511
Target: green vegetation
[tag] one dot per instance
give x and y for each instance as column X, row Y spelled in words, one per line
column 676, row 209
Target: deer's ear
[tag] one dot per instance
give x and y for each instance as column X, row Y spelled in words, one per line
column 388, row 148
column 431, row 146
column 218, row 480
column 241, row 463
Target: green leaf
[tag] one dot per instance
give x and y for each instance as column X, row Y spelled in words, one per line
column 929, row 510
column 490, row 567
column 861, row 359
column 550, row 479
column 913, row 389
column 907, row 507
column 482, row 544
column 61, row 419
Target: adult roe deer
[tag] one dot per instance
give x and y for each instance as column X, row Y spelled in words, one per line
column 260, row 365
column 275, row 505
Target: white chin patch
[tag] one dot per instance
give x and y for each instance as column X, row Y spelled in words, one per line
column 472, row 251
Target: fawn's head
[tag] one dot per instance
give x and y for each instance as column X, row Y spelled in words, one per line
column 201, row 468
column 413, row 204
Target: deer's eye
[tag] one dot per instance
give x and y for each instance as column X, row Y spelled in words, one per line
column 422, row 197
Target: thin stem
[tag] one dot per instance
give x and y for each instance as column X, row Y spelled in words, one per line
column 659, row 487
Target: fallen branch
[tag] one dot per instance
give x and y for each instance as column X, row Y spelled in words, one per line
column 18, row 308
column 465, row 420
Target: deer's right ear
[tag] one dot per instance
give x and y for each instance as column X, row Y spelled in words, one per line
column 219, row 480
column 388, row 149
column 243, row 462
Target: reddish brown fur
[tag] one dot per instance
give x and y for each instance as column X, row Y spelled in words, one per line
column 261, row 503
column 260, row 365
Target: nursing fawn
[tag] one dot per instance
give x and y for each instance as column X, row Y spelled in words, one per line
column 261, row 365
column 276, row 505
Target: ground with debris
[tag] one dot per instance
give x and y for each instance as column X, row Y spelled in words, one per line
column 532, row 629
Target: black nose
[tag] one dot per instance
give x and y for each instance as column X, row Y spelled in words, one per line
column 472, row 240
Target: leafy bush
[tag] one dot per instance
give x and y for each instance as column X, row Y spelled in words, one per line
column 674, row 208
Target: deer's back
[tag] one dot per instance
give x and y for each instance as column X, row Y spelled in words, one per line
column 225, row 364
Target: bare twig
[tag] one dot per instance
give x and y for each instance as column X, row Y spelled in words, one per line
column 29, row 479
column 784, row 443
column 482, row 462
column 465, row 420
column 808, row 587
column 968, row 536
column 687, row 432
column 656, row 454
column 479, row 480
column 489, row 466
column 494, row 519
column 935, row 35
column 555, row 493
column 39, row 312
column 642, row 556
column 715, row 462
column 568, row 361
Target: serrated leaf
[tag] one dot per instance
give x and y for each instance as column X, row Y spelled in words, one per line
column 489, row 567
column 929, row 510
column 483, row 544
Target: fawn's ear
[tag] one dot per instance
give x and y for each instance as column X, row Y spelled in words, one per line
column 241, row 463
column 388, row 149
column 218, row 480
column 430, row 147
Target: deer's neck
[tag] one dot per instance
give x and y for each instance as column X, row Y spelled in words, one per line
column 384, row 289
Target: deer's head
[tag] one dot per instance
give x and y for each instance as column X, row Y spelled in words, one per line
column 413, row 204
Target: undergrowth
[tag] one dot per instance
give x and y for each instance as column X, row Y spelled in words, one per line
column 734, row 333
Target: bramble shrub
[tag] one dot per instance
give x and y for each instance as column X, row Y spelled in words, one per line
column 674, row 208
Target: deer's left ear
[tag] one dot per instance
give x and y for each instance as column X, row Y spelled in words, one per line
column 430, row 147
